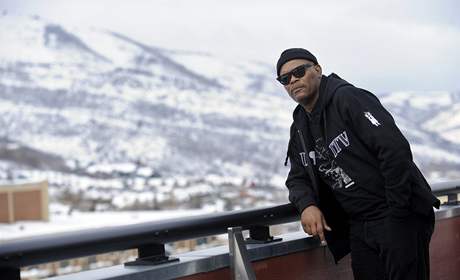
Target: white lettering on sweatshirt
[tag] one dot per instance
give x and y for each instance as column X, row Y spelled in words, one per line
column 342, row 138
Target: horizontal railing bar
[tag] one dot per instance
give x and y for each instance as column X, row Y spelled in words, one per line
column 53, row 247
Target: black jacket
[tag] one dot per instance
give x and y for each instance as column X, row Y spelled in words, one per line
column 366, row 145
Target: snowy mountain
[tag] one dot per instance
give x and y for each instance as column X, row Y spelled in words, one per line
column 76, row 100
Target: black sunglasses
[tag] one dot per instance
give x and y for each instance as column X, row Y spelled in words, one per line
column 298, row 72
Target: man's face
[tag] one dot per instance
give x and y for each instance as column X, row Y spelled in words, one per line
column 303, row 90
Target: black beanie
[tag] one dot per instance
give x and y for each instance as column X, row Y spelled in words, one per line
column 294, row 53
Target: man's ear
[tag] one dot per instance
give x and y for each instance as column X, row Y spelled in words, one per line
column 319, row 70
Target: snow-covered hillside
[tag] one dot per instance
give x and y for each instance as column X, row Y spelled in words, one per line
column 94, row 96
column 73, row 100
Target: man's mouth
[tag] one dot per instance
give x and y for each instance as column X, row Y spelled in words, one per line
column 297, row 90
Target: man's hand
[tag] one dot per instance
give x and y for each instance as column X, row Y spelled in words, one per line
column 313, row 222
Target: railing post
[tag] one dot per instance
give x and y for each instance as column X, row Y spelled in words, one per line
column 151, row 254
column 260, row 235
column 452, row 199
column 240, row 266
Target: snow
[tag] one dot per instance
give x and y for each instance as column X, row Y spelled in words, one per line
column 434, row 154
column 452, row 135
column 244, row 169
column 204, row 64
column 118, row 51
column 419, row 100
column 424, row 100
column 29, row 31
column 447, row 123
column 61, row 221
column 127, row 167
column 116, row 144
column 145, row 172
column 128, row 198
column 279, row 180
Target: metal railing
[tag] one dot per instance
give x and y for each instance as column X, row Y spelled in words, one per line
column 450, row 189
column 149, row 238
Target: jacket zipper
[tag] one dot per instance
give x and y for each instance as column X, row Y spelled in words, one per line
column 310, row 165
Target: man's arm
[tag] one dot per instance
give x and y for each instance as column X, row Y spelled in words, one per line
column 300, row 191
column 302, row 196
column 377, row 129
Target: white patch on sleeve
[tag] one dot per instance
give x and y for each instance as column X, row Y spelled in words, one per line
column 371, row 118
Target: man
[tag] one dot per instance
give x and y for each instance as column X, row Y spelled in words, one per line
column 352, row 176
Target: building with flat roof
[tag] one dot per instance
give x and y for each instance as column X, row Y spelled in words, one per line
column 23, row 201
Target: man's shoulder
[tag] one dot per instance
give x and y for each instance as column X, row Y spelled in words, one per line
column 335, row 84
column 350, row 93
column 345, row 92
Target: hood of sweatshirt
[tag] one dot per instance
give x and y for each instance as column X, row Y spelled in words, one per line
column 328, row 88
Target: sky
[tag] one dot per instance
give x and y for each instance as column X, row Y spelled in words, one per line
column 378, row 45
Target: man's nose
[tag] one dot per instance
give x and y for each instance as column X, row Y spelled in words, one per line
column 293, row 79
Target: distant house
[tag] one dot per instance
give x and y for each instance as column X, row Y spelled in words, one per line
column 23, row 201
